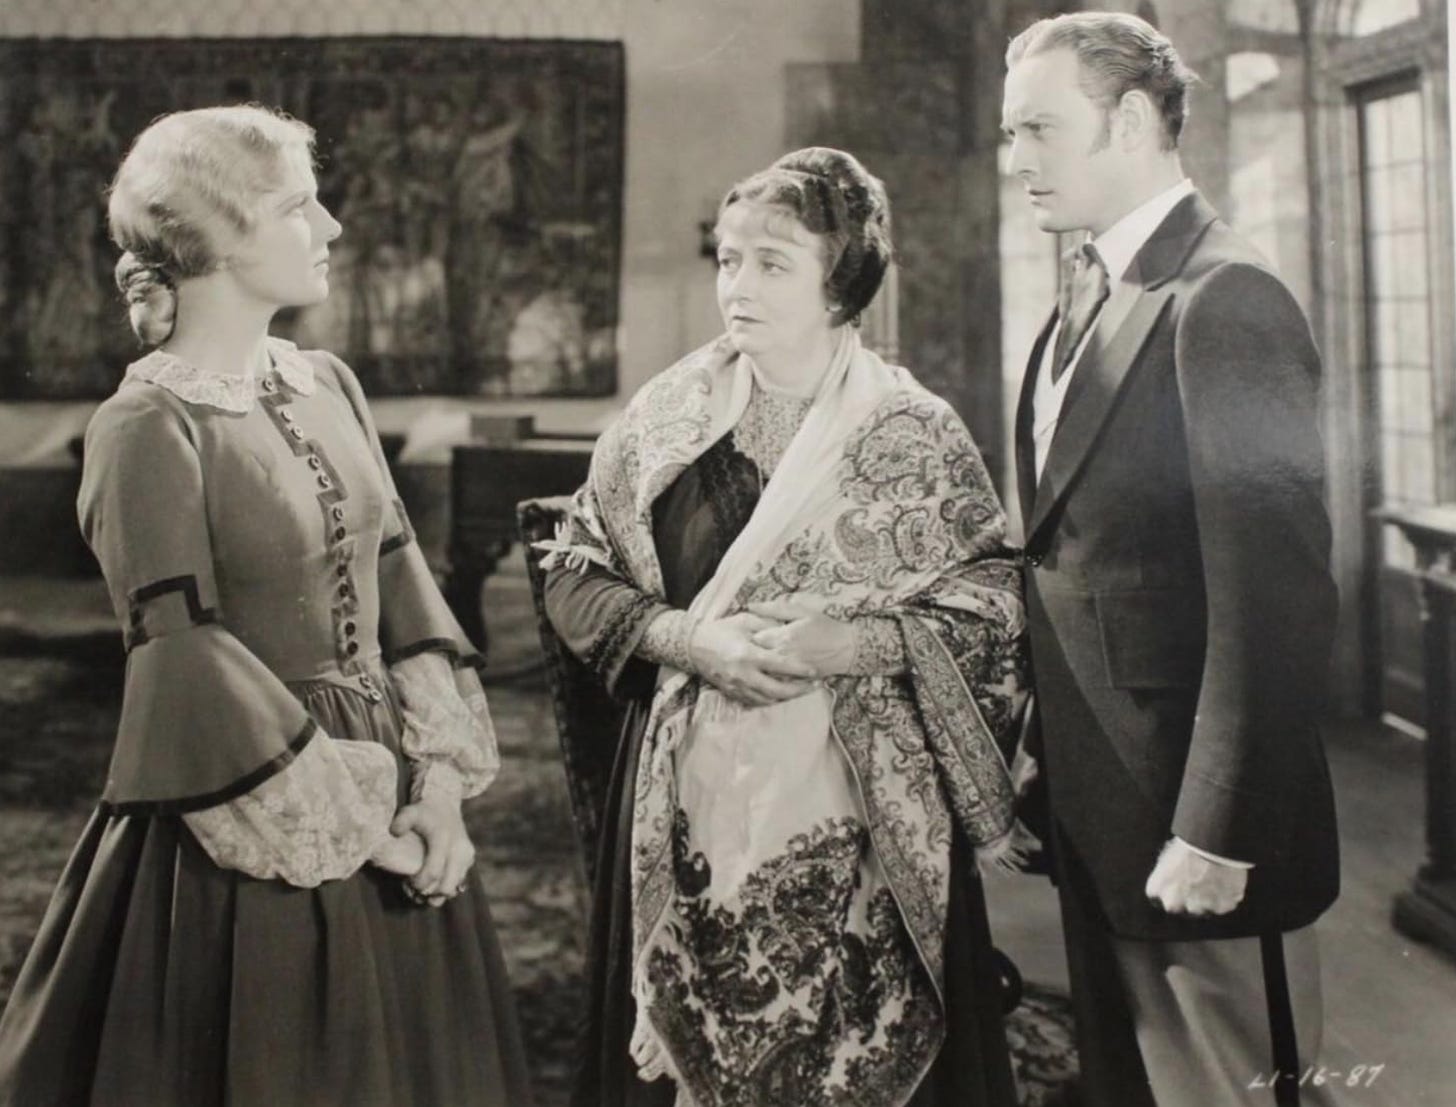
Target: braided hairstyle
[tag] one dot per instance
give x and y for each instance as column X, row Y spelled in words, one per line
column 833, row 196
column 188, row 176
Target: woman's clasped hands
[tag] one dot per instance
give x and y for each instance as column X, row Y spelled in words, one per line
column 772, row 652
column 430, row 848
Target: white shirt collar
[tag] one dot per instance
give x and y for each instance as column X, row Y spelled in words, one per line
column 225, row 392
column 1119, row 244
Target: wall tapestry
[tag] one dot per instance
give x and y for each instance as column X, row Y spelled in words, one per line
column 479, row 183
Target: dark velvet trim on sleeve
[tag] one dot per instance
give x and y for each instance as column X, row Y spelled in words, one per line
column 136, row 632
column 244, row 784
column 447, row 646
column 398, row 542
column 403, row 538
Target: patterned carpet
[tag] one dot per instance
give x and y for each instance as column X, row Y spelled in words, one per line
column 57, row 717
column 1043, row 1055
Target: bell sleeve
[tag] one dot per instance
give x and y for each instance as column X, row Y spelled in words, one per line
column 321, row 820
column 413, row 615
column 204, row 723
column 449, row 738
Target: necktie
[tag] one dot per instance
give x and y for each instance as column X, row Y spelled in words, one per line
column 1084, row 288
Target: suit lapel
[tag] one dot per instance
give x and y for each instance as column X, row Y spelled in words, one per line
column 1025, row 419
column 1105, row 366
column 1091, row 395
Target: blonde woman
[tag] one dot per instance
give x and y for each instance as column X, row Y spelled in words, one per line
column 274, row 902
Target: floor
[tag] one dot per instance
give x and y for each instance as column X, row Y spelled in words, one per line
column 1390, row 1003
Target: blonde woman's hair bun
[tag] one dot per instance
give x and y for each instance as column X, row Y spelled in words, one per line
column 151, row 298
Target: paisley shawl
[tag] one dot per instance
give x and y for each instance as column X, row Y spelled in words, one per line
column 891, row 512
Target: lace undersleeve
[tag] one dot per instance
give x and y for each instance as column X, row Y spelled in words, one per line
column 319, row 819
column 449, row 737
column 768, row 425
column 665, row 641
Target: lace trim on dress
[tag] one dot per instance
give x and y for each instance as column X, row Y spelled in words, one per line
column 226, row 392
column 768, row 425
column 448, row 737
column 732, row 483
column 666, row 639
column 319, row 819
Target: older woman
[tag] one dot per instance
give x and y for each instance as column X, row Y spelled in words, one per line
column 789, row 559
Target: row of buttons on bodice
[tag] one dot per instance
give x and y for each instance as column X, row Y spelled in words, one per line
column 340, row 544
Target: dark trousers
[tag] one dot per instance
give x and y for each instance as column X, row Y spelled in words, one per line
column 1201, row 1024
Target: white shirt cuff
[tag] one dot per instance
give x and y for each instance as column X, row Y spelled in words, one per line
column 1216, row 859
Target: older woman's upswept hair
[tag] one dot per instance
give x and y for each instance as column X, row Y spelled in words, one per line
column 186, row 177
column 832, row 195
column 1119, row 53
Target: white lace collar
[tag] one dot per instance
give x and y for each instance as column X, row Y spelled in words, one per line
column 225, row 392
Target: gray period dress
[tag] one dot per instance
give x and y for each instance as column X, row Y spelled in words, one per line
column 268, row 584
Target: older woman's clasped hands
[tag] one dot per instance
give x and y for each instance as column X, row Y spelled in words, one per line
column 810, row 637
column 726, row 653
column 772, row 652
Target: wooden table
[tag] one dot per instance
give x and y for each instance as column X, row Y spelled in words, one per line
column 1428, row 910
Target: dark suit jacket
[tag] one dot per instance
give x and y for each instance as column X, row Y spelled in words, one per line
column 1179, row 596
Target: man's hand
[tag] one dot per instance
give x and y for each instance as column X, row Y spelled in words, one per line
column 824, row 644
column 449, row 853
column 1185, row 883
column 725, row 655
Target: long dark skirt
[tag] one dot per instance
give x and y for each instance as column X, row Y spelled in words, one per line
column 973, row 1068
column 159, row 979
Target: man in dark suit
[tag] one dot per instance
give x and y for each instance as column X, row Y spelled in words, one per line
column 1179, row 598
